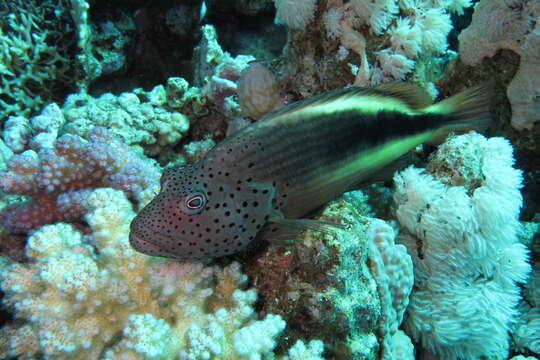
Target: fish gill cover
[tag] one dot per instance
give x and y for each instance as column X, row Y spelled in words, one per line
column 107, row 105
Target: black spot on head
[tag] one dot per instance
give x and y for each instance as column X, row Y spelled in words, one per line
column 208, row 241
column 250, row 165
column 255, row 204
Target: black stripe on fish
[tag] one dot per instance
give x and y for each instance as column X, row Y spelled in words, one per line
column 338, row 135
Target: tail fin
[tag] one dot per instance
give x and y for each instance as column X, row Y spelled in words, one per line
column 467, row 110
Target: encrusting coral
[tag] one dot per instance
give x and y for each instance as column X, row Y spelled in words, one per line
column 460, row 222
column 94, row 297
column 348, row 284
column 516, row 29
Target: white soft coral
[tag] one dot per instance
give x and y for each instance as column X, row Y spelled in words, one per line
column 461, row 225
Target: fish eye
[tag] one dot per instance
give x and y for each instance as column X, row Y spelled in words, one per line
column 193, row 203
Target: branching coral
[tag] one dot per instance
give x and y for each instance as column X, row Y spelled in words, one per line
column 34, row 57
column 58, row 178
column 461, row 229
column 94, row 297
column 217, row 72
column 138, row 118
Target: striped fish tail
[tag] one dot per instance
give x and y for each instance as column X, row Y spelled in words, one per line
column 467, row 110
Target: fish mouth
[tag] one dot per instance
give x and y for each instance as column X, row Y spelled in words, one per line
column 149, row 247
column 156, row 239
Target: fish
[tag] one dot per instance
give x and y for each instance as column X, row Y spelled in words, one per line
column 272, row 174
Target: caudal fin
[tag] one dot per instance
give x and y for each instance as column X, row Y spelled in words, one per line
column 467, row 110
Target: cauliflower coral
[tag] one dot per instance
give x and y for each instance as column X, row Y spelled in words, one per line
column 94, row 297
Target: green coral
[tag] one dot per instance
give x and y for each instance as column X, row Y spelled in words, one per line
column 34, row 61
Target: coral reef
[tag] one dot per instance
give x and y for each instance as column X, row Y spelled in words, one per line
column 59, row 174
column 34, row 61
column 258, row 91
column 138, row 118
column 367, row 43
column 351, row 285
column 436, row 266
column 78, row 293
column 515, row 30
column 460, row 222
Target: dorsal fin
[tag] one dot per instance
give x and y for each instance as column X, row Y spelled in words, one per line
column 410, row 94
column 414, row 96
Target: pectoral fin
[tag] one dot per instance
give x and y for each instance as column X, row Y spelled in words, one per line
column 307, row 224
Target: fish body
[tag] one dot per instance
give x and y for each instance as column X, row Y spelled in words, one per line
column 293, row 161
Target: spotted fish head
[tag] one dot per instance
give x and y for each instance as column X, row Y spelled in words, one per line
column 201, row 212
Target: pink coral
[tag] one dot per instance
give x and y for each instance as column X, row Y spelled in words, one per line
column 258, row 91
column 57, row 179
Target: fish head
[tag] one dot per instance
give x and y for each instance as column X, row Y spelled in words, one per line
column 201, row 213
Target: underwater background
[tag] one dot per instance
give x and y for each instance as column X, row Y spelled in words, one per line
column 98, row 98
